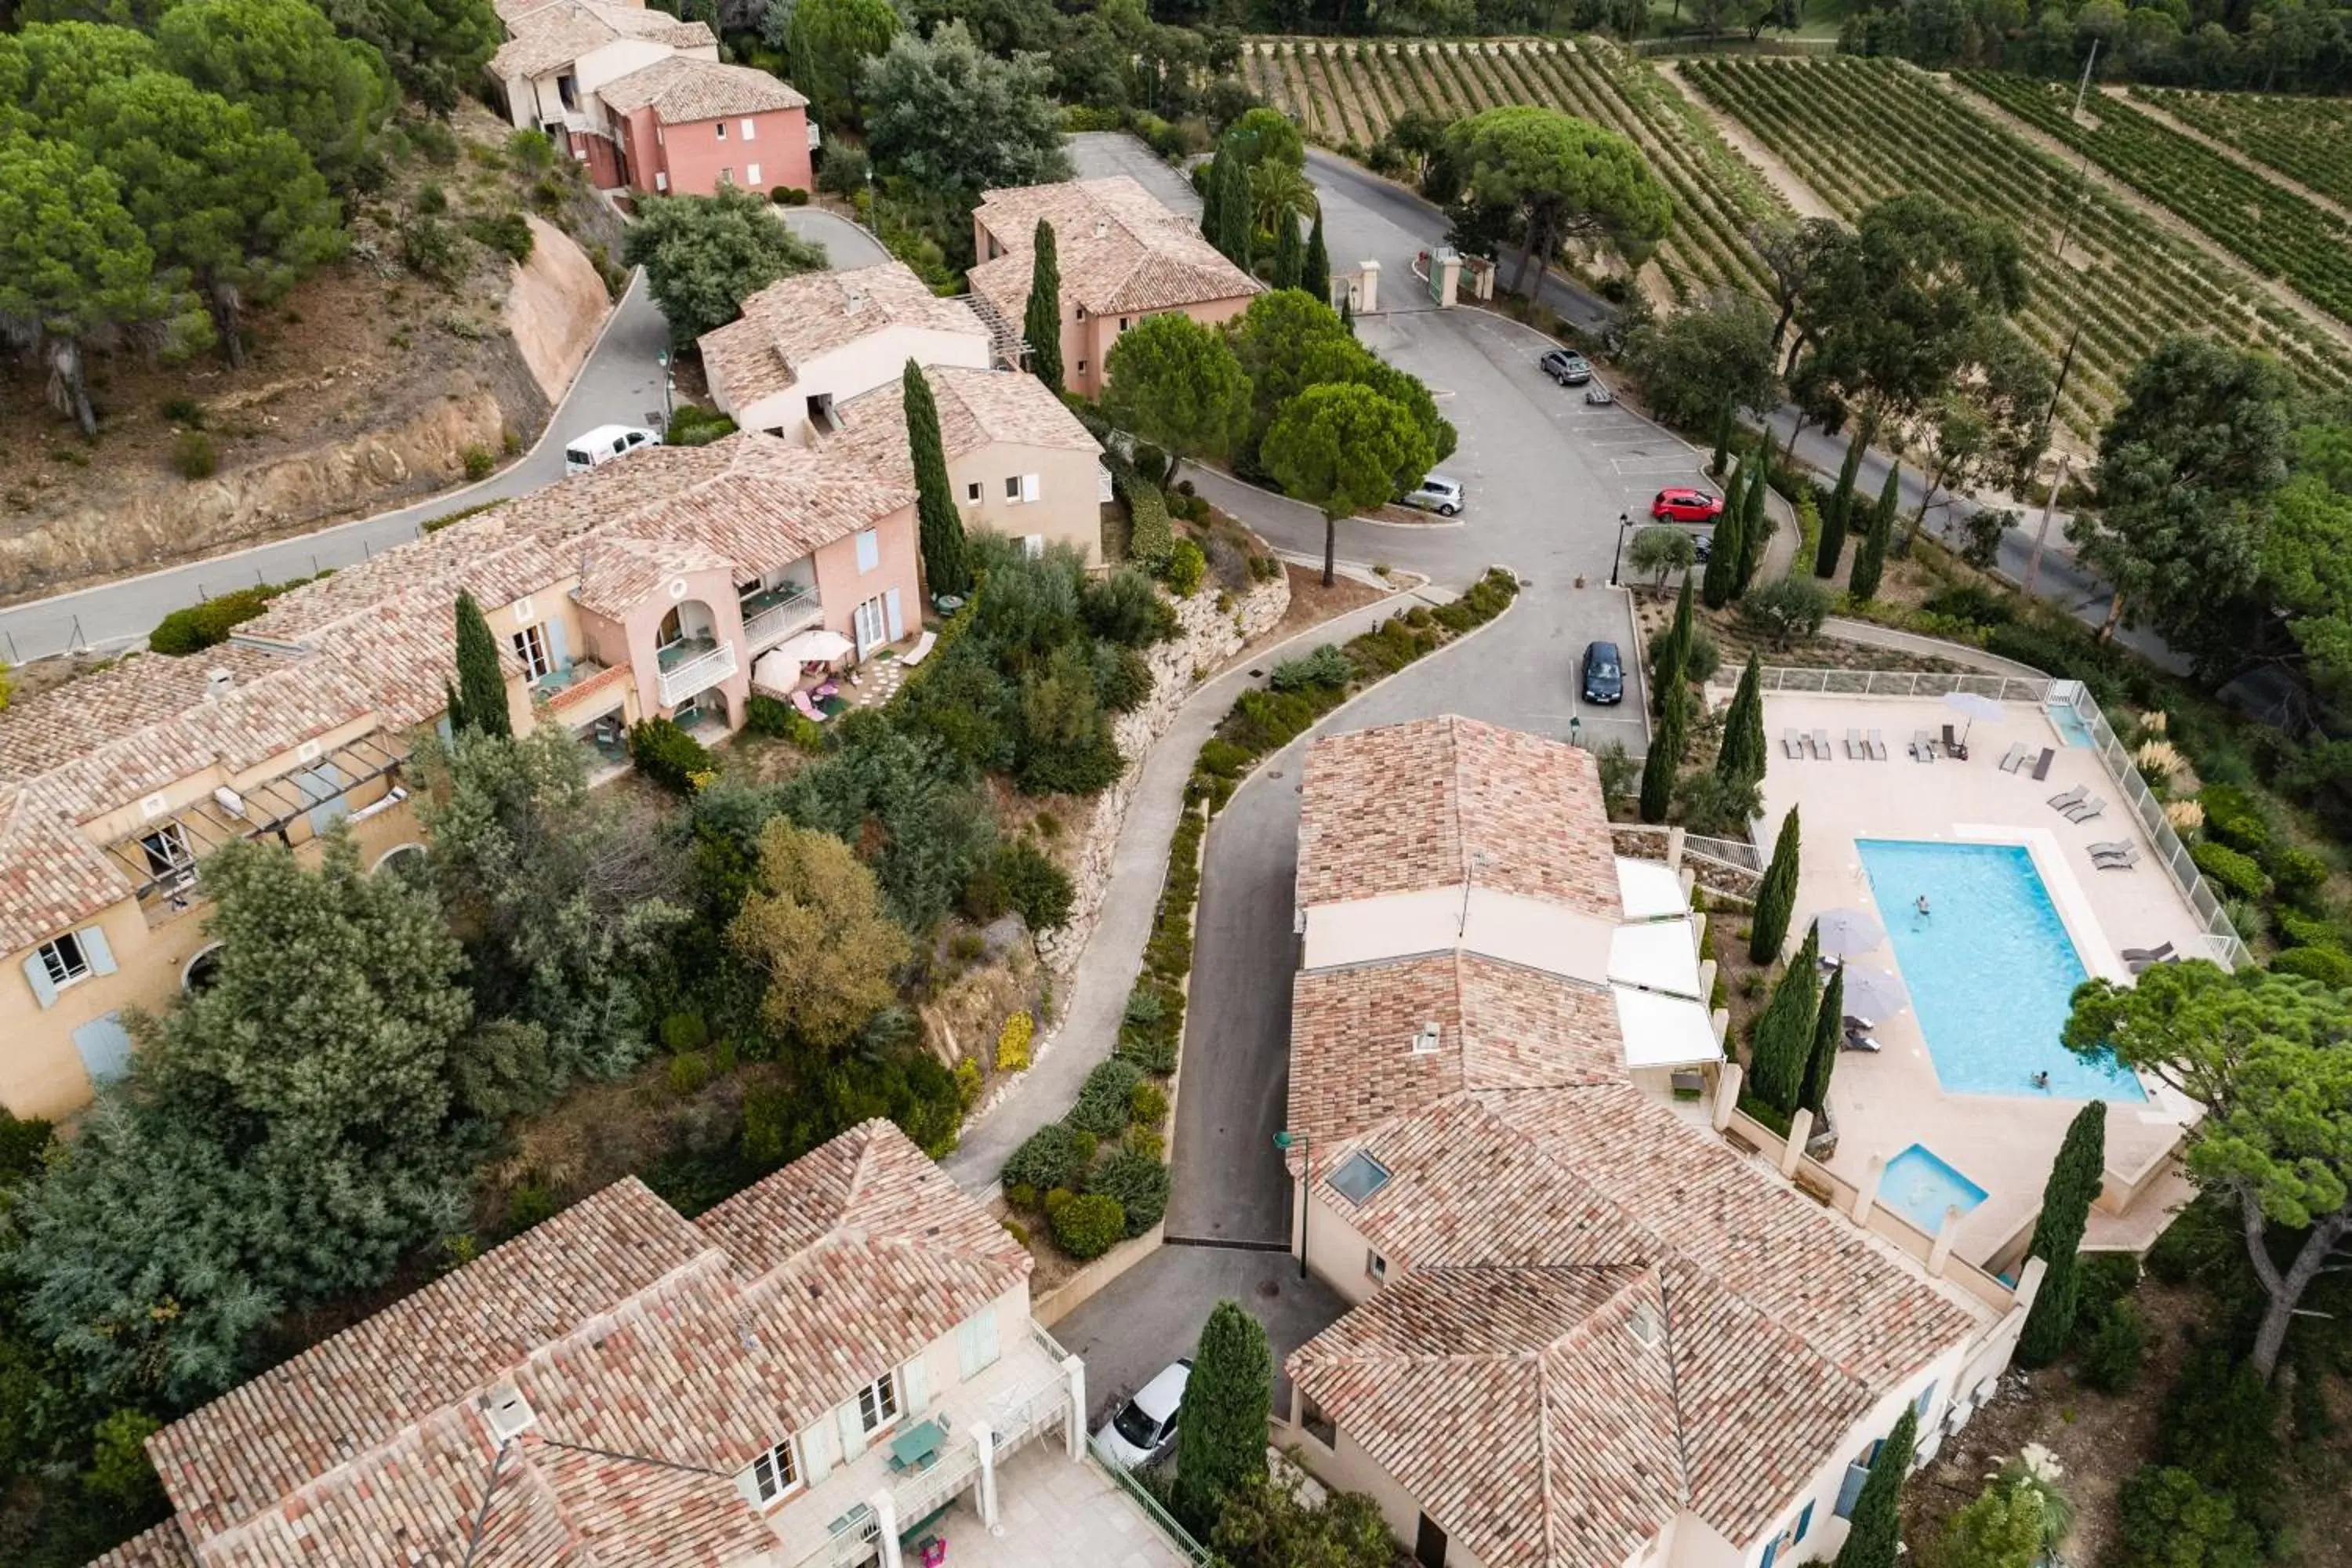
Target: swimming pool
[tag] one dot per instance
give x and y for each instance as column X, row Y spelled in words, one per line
column 1990, row 970
column 1919, row 1186
column 2072, row 727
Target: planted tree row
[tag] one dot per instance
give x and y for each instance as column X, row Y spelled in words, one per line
column 2305, row 139
column 2277, row 232
column 1859, row 130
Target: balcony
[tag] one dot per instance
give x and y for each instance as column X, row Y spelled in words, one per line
column 774, row 614
column 695, row 664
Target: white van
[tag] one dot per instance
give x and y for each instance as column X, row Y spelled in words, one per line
column 604, row 444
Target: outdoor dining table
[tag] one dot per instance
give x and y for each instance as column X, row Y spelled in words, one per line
column 917, row 1447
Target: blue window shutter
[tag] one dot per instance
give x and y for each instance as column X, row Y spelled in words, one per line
column 891, row 615
column 1771, row 1549
column 558, row 658
column 1926, row 1398
column 105, row 1048
column 1850, row 1490
column 94, row 948
column 36, row 976
column 1804, row 1522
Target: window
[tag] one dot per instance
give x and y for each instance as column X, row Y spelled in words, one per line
column 752, row 133
column 727, row 176
column 1359, row 1177
column 672, row 629
column 64, row 960
column 722, row 131
column 1013, row 487
column 971, row 492
column 1082, row 313
column 1376, row 1266
column 775, row 1472
column 531, row 647
column 1122, row 323
column 1082, row 366
column 167, row 850
column 1319, row 1426
column 869, row 550
column 752, row 170
column 878, row 1403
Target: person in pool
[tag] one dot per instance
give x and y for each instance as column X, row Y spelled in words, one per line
column 2041, row 1080
column 1922, row 905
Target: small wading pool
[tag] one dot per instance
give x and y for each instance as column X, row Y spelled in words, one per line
column 1920, row 1187
column 2070, row 725
column 1989, row 967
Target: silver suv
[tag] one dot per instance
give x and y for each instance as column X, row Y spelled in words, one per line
column 1438, row 494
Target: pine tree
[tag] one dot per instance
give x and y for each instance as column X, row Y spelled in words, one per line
column 1874, row 1534
column 1289, row 257
column 1720, row 584
column 1755, row 527
column 1314, row 272
column 1776, row 896
column 945, row 569
column 1828, row 1037
column 1870, row 556
column 1783, row 1041
column 481, row 683
column 1723, row 428
column 1839, row 513
column 2066, row 1197
column 1040, row 324
column 1220, row 1441
column 1742, row 757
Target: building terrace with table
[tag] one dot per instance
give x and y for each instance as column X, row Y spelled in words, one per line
column 1586, row 1327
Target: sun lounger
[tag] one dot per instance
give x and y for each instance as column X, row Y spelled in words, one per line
column 806, row 708
column 2124, row 859
column 1855, row 747
column 2041, row 768
column 2086, row 810
column 1821, row 744
column 921, row 650
column 1923, row 747
column 1954, row 746
column 2014, row 757
column 2148, row 954
column 1878, row 745
column 1792, row 745
column 1854, row 1042
column 2068, row 800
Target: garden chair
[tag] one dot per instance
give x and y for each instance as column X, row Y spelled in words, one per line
column 1954, row 747
column 2041, row 768
column 1923, row 747
column 1878, row 745
column 2012, row 759
column 1855, row 747
column 2085, row 810
column 1821, row 744
column 1791, row 745
column 2069, row 799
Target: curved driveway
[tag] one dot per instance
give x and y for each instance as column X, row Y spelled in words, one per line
column 620, row 383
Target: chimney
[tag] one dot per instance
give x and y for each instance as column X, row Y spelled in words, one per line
column 1102, row 229
column 218, row 681
column 1424, row 1043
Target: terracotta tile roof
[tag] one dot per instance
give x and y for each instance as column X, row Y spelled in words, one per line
column 976, row 407
column 655, row 1355
column 682, row 89
column 1412, row 807
column 165, row 1546
column 545, row 38
column 1119, row 247
column 796, row 319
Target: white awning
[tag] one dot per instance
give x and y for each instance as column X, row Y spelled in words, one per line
column 1665, row 1031
column 1649, row 890
column 1662, row 955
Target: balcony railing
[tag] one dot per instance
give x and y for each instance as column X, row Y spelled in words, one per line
column 771, row 617
column 700, row 668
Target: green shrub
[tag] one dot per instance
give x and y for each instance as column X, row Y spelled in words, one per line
column 1221, row 759
column 2299, row 929
column 1786, row 610
column 2231, row 871
column 479, row 461
column 2328, row 965
column 429, row 248
column 185, row 411
column 1147, row 1105
column 1149, row 536
column 1047, row 1159
column 2296, row 873
column 2234, row 818
column 23, row 1140
column 528, row 1203
column 194, row 456
column 200, row 626
column 667, row 755
column 532, row 150
column 1021, row 1195
column 1104, row 1098
column 2111, row 1352
column 692, row 425
column 2166, row 1519
column 1018, row 875
column 1089, row 1225
column 1970, row 602
column 1186, row 566
column 431, row 199
column 684, row 1032
column 507, row 233
column 842, row 171
column 789, row 197
column 1149, row 1031
column 2220, row 1424
column 689, row 1072
column 1137, row 1182
column 1326, row 666
column 764, row 715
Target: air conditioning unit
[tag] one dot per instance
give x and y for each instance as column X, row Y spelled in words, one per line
column 511, row 1415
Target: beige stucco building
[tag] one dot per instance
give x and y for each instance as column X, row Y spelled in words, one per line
column 802, row 1376
column 1585, row 1328
column 1123, row 255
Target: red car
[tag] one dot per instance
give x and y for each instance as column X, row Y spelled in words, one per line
column 1684, row 503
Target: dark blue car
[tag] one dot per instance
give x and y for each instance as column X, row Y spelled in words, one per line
column 1604, row 673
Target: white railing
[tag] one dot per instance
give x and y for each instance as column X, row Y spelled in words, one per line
column 777, row 621
column 700, row 673
column 1906, row 683
column 1730, row 851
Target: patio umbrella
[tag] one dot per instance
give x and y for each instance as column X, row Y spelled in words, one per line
column 1845, row 933
column 814, row 646
column 1874, row 993
column 1973, row 706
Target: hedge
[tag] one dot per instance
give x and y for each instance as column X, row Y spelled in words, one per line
column 2234, row 818
column 1139, row 1185
column 2236, row 874
column 2329, row 965
column 209, row 625
column 1104, row 1098
column 1047, row 1158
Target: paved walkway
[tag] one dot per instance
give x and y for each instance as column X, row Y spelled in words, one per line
column 1089, row 1026
column 1876, row 635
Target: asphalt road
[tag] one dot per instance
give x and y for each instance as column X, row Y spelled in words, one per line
column 620, row 383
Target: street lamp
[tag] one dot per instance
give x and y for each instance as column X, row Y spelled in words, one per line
column 670, row 385
column 1283, row 1141
column 1624, row 521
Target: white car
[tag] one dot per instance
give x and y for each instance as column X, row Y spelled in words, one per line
column 1439, row 494
column 604, row 443
column 1144, row 1428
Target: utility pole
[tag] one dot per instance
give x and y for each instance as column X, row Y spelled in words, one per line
column 2082, row 173
column 2049, row 418
column 2083, row 88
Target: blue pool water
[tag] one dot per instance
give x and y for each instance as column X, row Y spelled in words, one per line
column 1990, row 970
column 2071, row 725
column 1920, row 1187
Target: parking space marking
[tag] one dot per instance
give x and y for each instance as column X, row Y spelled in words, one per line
column 1665, row 465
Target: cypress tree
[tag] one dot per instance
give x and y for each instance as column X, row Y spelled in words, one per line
column 1755, row 527
column 1873, row 1535
column 1742, row 758
column 1783, row 1041
column 481, row 684
column 1348, row 313
column 1213, row 197
column 1314, row 272
column 1663, row 761
column 945, row 568
column 1776, row 896
column 1870, row 557
column 1829, row 1036
column 455, row 705
column 2058, row 1235
column 1723, row 426
column 1220, row 1441
column 1040, row 324
column 1835, row 519
column 1720, row 584
column 1235, row 224
column 1289, row 258
column 1668, row 672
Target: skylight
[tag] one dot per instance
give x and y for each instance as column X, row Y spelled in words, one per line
column 1359, row 1177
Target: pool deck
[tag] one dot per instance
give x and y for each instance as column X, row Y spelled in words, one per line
column 1882, row 1103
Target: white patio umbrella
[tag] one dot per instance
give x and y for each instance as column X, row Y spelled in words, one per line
column 814, row 646
column 1874, row 993
column 1974, row 707
column 1844, row 932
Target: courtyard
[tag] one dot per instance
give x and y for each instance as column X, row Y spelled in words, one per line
column 2009, row 883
